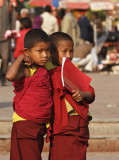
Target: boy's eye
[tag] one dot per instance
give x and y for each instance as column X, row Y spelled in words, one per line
column 71, row 51
column 64, row 51
column 40, row 50
column 47, row 50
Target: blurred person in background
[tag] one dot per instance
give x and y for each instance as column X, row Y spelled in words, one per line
column 50, row 24
column 86, row 61
column 25, row 26
column 24, row 12
column 17, row 22
column 69, row 25
column 7, row 22
column 100, row 35
column 54, row 12
column 38, row 19
column 83, row 57
column 60, row 15
column 86, row 29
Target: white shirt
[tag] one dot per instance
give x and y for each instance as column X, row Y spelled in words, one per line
column 50, row 24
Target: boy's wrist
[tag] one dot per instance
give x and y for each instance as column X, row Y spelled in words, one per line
column 21, row 57
column 82, row 94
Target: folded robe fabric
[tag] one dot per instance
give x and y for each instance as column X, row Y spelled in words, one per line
column 74, row 138
column 59, row 94
column 27, row 140
column 33, row 99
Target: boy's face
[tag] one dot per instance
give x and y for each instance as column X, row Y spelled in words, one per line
column 40, row 53
column 65, row 49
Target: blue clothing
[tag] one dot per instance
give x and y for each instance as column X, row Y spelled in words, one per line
column 85, row 29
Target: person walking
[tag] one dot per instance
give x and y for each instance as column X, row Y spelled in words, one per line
column 50, row 24
column 69, row 25
column 6, row 23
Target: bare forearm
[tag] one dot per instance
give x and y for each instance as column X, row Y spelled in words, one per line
column 16, row 70
column 88, row 97
column 83, row 96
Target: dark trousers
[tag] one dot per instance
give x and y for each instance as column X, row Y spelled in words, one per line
column 4, row 55
column 27, row 140
column 72, row 142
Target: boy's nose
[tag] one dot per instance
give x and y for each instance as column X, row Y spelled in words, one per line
column 68, row 55
column 44, row 54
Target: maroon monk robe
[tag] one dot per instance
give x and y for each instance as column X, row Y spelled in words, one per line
column 27, row 140
column 32, row 102
column 71, row 143
column 59, row 94
column 70, row 134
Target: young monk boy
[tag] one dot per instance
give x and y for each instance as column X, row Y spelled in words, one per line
column 70, row 135
column 32, row 102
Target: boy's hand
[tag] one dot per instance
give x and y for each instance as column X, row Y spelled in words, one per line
column 77, row 95
column 27, row 61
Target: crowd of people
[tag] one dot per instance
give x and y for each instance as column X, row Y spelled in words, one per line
column 15, row 25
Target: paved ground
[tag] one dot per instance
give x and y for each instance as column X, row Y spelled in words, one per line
column 90, row 156
column 106, row 105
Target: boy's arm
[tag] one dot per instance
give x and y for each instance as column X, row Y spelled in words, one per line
column 88, row 97
column 17, row 70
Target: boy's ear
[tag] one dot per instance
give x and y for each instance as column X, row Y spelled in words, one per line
column 26, row 51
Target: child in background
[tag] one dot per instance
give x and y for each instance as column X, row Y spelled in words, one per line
column 32, row 102
column 70, row 132
column 26, row 25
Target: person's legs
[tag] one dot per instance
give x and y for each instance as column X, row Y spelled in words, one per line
column 30, row 148
column 14, row 149
column 65, row 147
column 4, row 49
column 72, row 142
column 90, row 62
column 87, row 62
column 26, row 141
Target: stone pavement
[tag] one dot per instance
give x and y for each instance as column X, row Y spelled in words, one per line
column 90, row 156
column 105, row 107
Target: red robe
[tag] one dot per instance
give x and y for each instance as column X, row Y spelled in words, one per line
column 70, row 133
column 33, row 100
column 60, row 111
column 27, row 140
